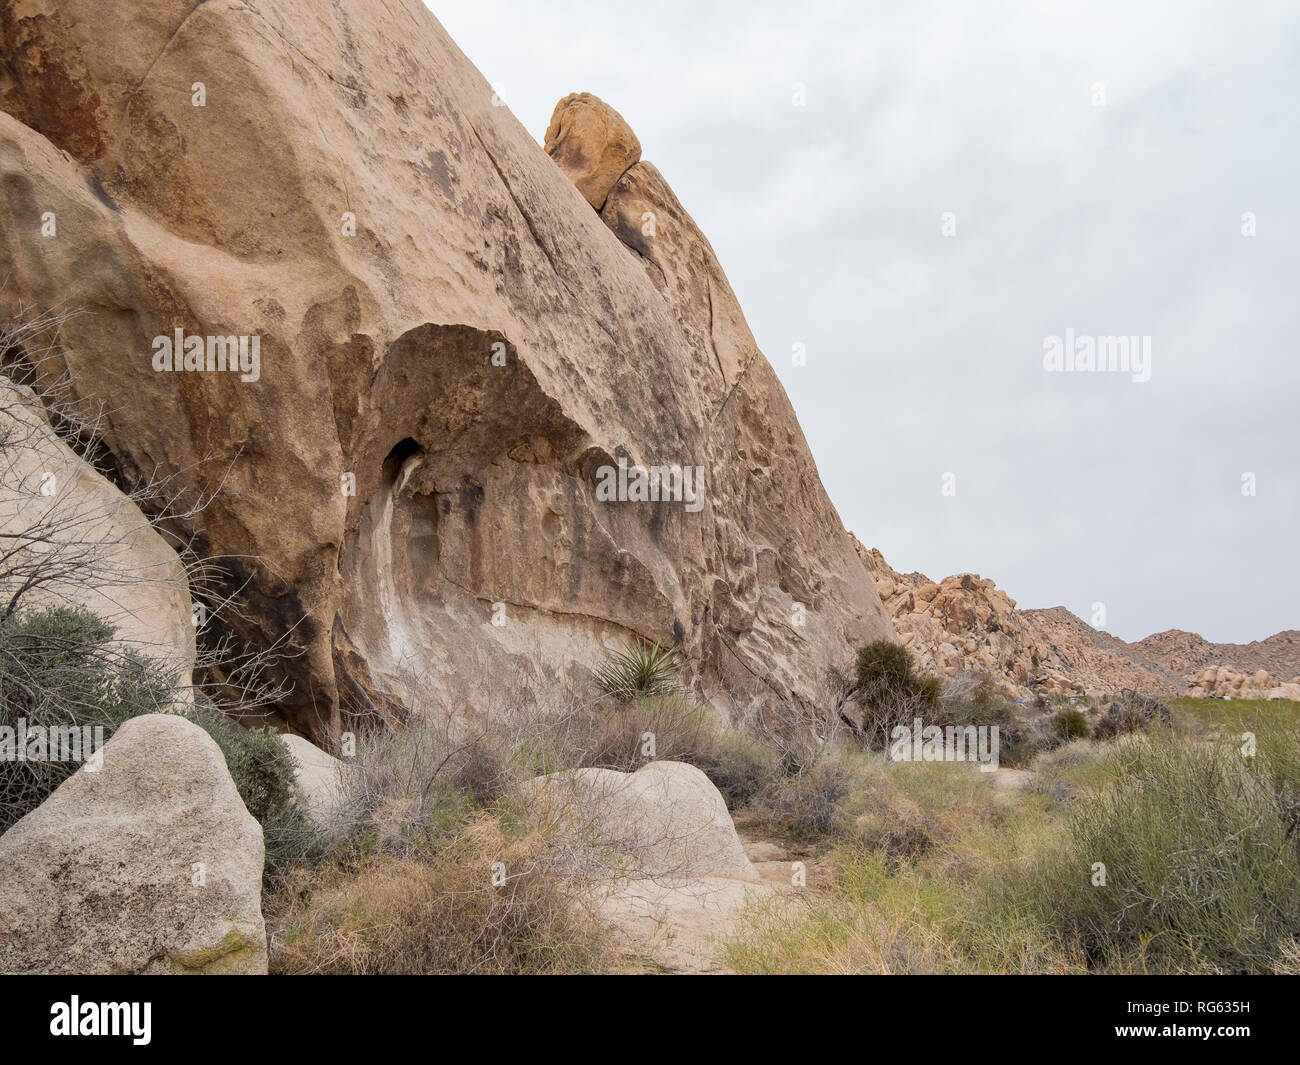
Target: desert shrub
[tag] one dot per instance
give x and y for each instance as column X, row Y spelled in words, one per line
column 1020, row 735
column 894, row 825
column 617, row 740
column 884, row 675
column 440, row 912
column 614, row 734
column 883, row 666
column 930, row 690
column 1071, row 725
column 644, row 669
column 977, row 699
column 1201, row 861
column 1278, row 750
column 739, row 767
column 886, row 712
column 805, row 804
column 259, row 764
column 59, row 669
column 481, row 773
column 610, row 733
column 402, row 797
column 1067, row 756
column 1130, row 712
column 890, row 693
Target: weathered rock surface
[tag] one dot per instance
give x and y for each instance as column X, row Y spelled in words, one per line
column 452, row 345
column 70, row 537
column 149, row 865
column 645, row 214
column 667, row 818
column 592, row 144
column 320, row 781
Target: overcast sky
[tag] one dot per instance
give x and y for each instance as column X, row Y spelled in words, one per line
column 1098, row 159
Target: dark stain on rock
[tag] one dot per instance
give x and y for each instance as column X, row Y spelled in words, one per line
column 101, row 194
column 49, row 87
column 435, row 168
column 470, row 499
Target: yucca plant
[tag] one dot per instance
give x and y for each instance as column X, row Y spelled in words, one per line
column 644, row 669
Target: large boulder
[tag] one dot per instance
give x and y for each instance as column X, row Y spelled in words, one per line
column 319, row 782
column 1223, row 682
column 592, row 144
column 71, row 537
column 667, row 819
column 148, row 864
column 453, row 353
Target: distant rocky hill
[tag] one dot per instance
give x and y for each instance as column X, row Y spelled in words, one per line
column 966, row 624
column 1089, row 660
column 1188, row 652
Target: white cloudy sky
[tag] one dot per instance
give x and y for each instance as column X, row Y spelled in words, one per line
column 925, row 351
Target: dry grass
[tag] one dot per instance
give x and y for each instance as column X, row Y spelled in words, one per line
column 485, row 901
column 912, row 847
column 920, row 867
column 446, row 860
column 876, row 916
column 937, row 868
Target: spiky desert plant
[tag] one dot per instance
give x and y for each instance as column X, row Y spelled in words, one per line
column 644, row 669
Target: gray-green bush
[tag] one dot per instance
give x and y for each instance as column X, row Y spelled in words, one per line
column 59, row 667
column 1200, row 854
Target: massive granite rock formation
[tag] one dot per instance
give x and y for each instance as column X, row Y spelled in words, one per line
column 451, row 346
